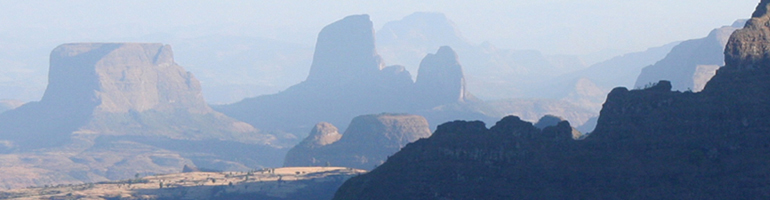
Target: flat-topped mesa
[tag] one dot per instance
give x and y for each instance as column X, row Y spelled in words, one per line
column 367, row 142
column 345, row 51
column 120, row 77
column 440, row 79
column 747, row 48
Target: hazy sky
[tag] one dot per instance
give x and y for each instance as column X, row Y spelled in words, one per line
column 552, row 26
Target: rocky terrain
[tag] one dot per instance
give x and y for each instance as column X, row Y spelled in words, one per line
column 367, row 142
column 692, row 63
column 348, row 78
column 492, row 73
column 115, row 109
column 648, row 144
column 270, row 183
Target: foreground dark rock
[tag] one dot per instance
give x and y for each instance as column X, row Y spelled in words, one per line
column 649, row 144
column 367, row 142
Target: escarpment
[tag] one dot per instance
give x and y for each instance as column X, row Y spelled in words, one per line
column 648, row 143
column 112, row 110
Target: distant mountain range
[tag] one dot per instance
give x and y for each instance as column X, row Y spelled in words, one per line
column 492, row 73
column 115, row 109
column 348, row 78
column 112, row 110
column 692, row 63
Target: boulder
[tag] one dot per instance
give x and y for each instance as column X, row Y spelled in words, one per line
column 367, row 142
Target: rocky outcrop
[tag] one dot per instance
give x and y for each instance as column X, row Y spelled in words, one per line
column 322, row 134
column 547, row 120
column 348, row 79
column 367, row 142
column 440, row 78
column 648, row 144
column 491, row 72
column 303, row 154
column 408, row 40
column 345, row 52
column 692, row 63
column 112, row 110
column 747, row 49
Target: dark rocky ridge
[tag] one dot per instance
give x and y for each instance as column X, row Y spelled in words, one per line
column 112, row 110
column 648, row 144
column 367, row 142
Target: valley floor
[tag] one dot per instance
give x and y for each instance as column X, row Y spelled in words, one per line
column 271, row 183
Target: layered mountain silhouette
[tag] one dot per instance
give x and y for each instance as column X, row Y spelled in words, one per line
column 492, row 73
column 115, row 109
column 587, row 88
column 692, row 63
column 348, row 78
column 367, row 142
column 648, row 144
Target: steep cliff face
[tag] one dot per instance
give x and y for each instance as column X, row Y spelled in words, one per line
column 409, row 40
column 112, row 110
column 491, row 72
column 303, row 154
column 690, row 64
column 440, row 78
column 465, row 160
column 747, row 48
column 122, row 77
column 345, row 52
column 134, row 89
column 651, row 143
column 348, row 78
column 367, row 142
